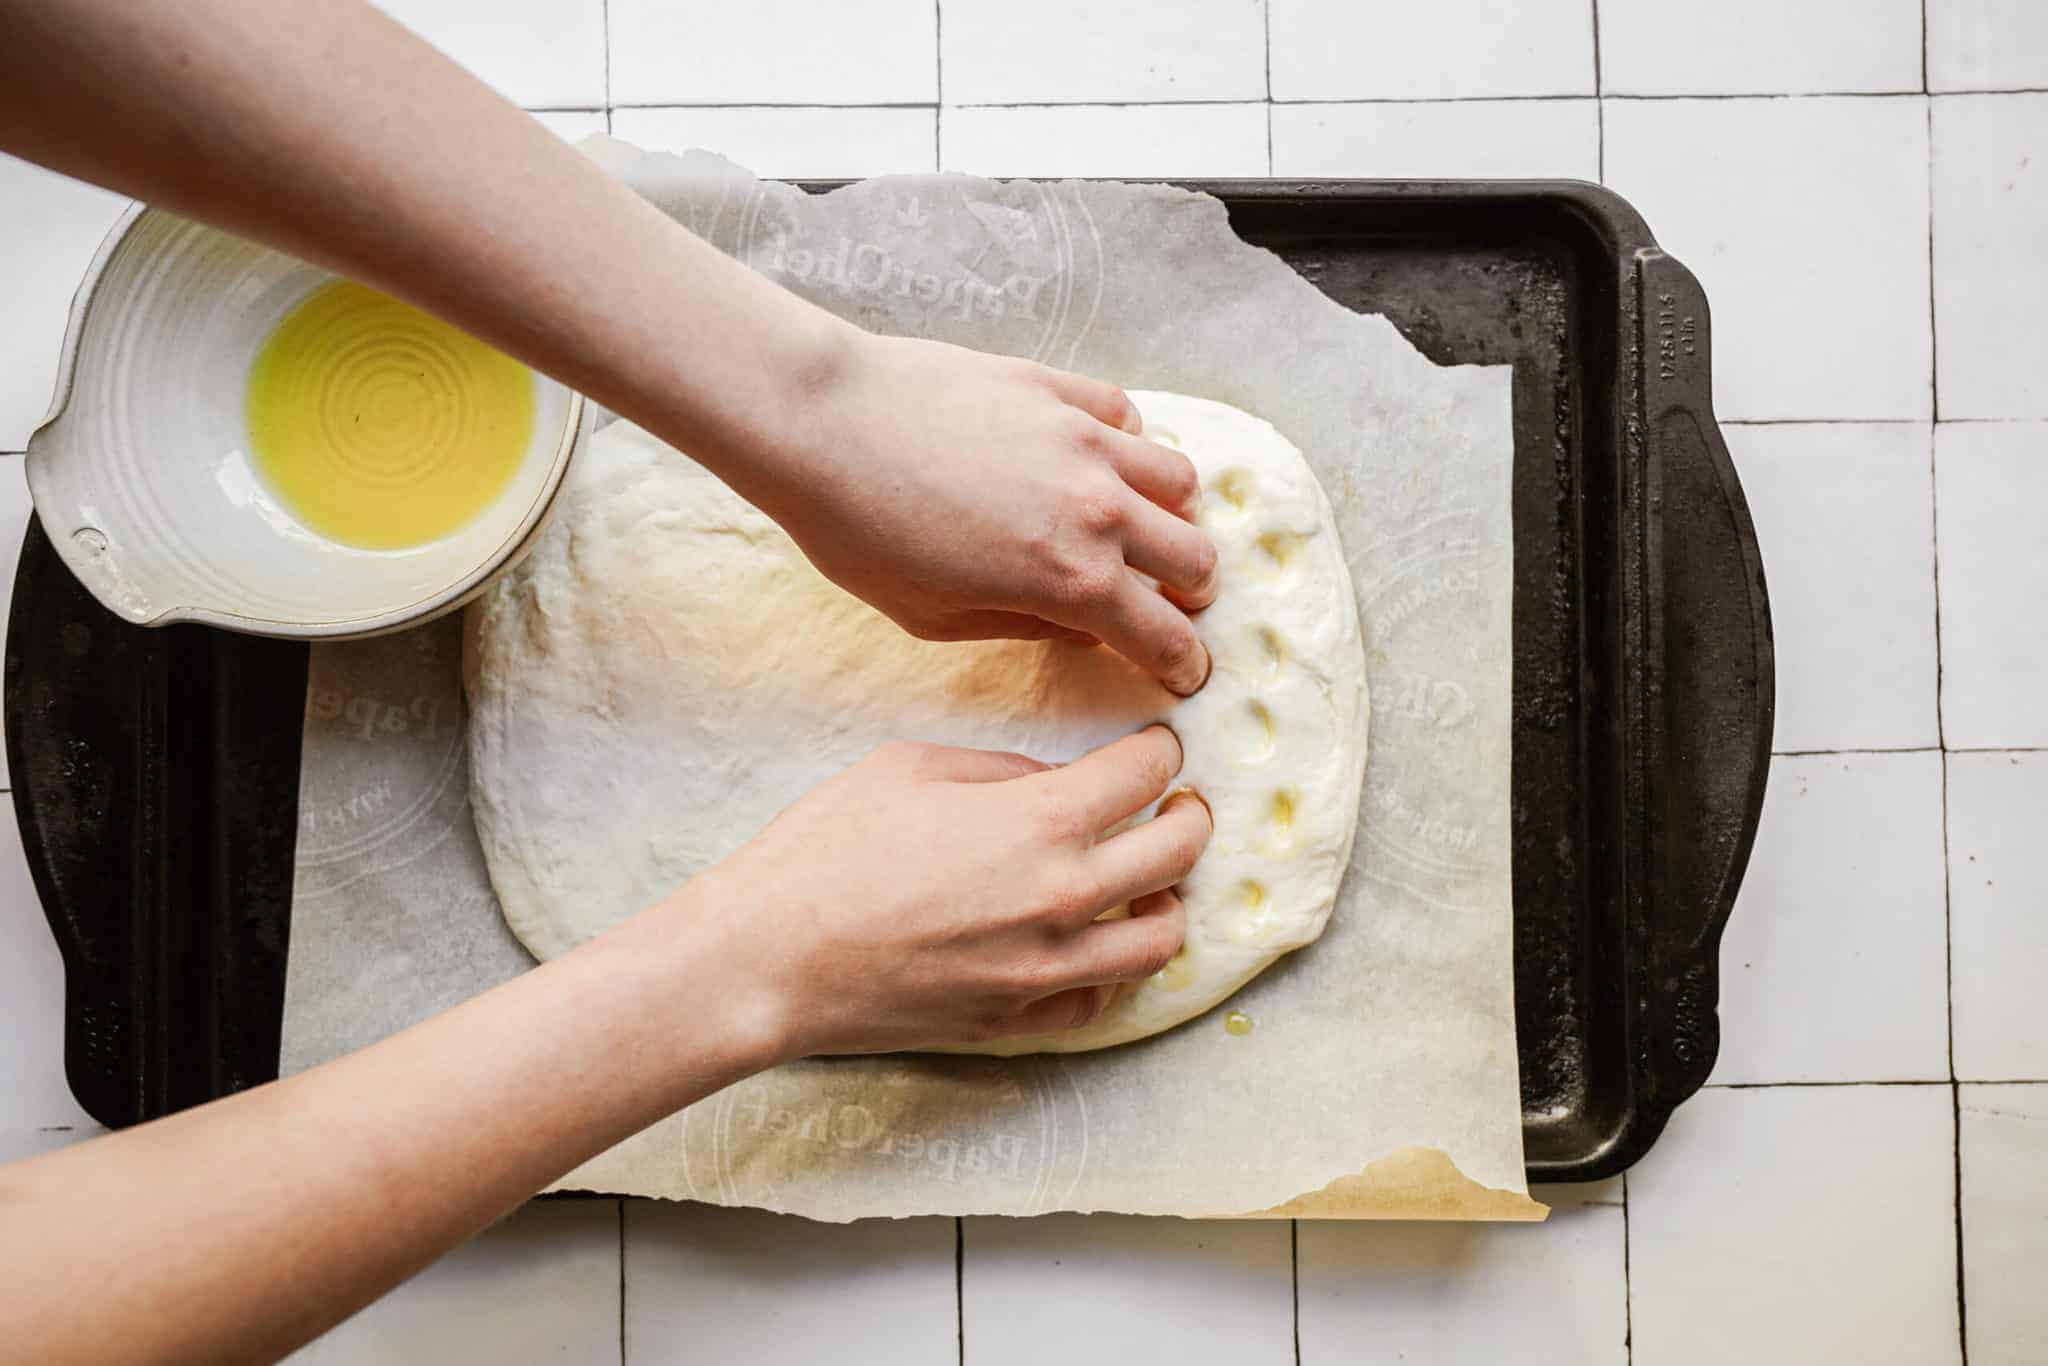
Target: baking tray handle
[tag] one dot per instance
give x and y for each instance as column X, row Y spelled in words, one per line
column 1710, row 679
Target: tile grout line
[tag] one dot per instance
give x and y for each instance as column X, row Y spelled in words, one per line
column 810, row 104
column 1294, row 1280
column 1933, row 326
column 938, row 84
column 1566, row 97
column 1903, row 92
column 1818, row 1085
column 1990, row 90
column 1948, row 956
column 1955, row 1094
column 1824, row 421
column 1948, row 952
column 1266, row 19
column 622, row 1281
column 1628, row 1306
column 605, row 17
column 960, row 1286
column 1923, row 48
column 1599, row 81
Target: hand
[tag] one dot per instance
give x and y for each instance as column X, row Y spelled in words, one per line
column 971, row 496
column 933, row 895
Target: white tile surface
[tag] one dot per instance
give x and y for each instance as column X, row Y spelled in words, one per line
column 33, row 1092
column 1108, row 1287
column 1991, row 482
column 1811, row 1224
column 1080, row 52
column 2005, row 1222
column 1548, row 1294
column 1449, row 49
column 571, row 125
column 1991, row 254
column 1806, row 221
column 1986, row 44
column 52, row 227
column 541, row 53
column 824, row 144
column 1743, row 47
column 1422, row 140
column 774, row 52
column 541, row 1285
column 715, row 1285
column 1833, row 965
column 1998, row 884
column 1844, row 513
column 1164, row 140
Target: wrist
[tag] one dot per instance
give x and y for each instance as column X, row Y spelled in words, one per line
column 780, row 449
column 713, row 979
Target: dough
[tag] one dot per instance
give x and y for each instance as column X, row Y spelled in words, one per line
column 665, row 672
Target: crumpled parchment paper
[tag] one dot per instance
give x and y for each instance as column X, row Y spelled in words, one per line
column 1379, row 1076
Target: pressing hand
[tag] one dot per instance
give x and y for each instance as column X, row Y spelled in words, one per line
column 971, row 496
column 934, row 895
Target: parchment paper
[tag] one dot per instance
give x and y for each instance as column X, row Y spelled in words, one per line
column 1379, row 1078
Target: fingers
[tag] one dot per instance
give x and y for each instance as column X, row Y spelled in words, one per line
column 1152, row 857
column 1062, row 1010
column 1106, row 956
column 1178, row 554
column 1104, row 402
column 950, row 764
column 1111, row 951
column 1103, row 787
column 1162, row 474
column 1152, row 633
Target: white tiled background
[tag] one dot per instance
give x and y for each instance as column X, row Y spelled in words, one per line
column 1862, row 185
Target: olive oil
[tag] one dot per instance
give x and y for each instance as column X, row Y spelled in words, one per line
column 382, row 427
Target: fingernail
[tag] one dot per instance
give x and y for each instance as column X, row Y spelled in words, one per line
column 1180, row 794
column 1162, row 726
column 1208, row 664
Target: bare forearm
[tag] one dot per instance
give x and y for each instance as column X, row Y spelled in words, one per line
column 330, row 132
column 240, row 1229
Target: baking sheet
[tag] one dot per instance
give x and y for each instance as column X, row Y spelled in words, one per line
column 1380, row 1074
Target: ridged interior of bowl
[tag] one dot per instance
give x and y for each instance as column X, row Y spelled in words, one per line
column 144, row 482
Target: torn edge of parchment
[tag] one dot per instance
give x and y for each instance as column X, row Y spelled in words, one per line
column 1409, row 1183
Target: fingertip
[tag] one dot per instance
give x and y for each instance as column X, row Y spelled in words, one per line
column 1196, row 599
column 1160, row 728
column 1181, row 795
column 1200, row 679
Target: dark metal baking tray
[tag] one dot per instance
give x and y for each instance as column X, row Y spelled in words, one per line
column 156, row 772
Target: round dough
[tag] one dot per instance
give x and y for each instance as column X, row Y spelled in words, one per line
column 666, row 671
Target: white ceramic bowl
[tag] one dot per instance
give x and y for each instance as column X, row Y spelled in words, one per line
column 142, row 478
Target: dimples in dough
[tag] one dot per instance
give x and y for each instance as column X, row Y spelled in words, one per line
column 666, row 671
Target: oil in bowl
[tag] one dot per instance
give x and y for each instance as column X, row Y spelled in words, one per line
column 382, row 427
